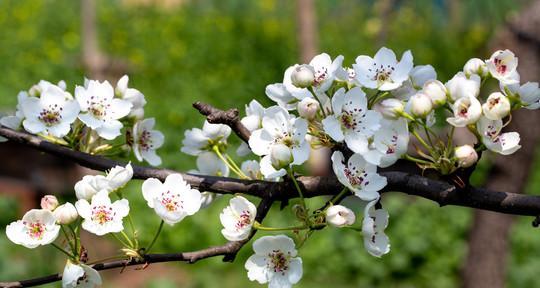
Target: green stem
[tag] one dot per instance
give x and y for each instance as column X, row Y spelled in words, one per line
column 127, row 238
column 420, row 139
column 318, row 100
column 233, row 163
column 68, row 239
column 237, row 172
column 119, row 240
column 119, row 257
column 63, row 251
column 339, row 195
column 413, row 159
column 259, row 227
column 291, row 174
column 155, row 237
column 133, row 232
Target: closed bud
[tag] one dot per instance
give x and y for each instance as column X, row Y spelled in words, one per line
column 65, row 214
column 435, row 90
column 49, row 202
column 118, row 176
column 340, row 216
column 466, row 156
column 421, row 105
column 280, row 156
column 307, row 108
column 497, row 106
column 390, row 108
column 303, row 76
column 475, row 66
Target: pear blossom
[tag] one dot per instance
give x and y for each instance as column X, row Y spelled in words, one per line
column 467, row 110
column 436, row 91
column 282, row 129
column 466, row 156
column 50, row 114
column 303, row 76
column 358, row 175
column 420, row 105
column 252, row 121
column 37, row 227
column 528, row 93
column 390, row 108
column 237, row 219
column 134, row 96
column 502, row 143
column 502, row 65
column 119, row 176
column 340, row 216
column 278, row 93
column 49, row 202
column 90, row 185
column 252, row 169
column 173, row 199
column 418, row 76
column 100, row 110
column 65, row 214
column 348, row 75
column 15, row 121
column 298, row 93
column 209, row 163
column 460, row 86
column 307, row 108
column 274, row 262
column 497, row 106
column 383, row 72
column 351, row 122
column 43, row 85
column 101, row 216
column 475, row 66
column 198, row 140
column 80, row 276
column 375, row 221
column 146, row 141
column 389, row 143
column 325, row 71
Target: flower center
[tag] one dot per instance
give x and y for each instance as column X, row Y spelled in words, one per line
column 98, row 107
column 493, row 102
column 500, row 67
column 171, row 201
column 243, row 220
column 51, row 115
column 279, row 262
column 347, row 120
column 102, row 214
column 354, row 177
column 320, row 75
column 145, row 141
column 35, row 230
column 381, row 73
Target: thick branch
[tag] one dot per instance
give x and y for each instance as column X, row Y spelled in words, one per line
column 229, row 118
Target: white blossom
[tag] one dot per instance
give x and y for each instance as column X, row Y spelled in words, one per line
column 460, row 86
column 303, row 76
column 49, row 202
column 119, row 176
column 358, row 175
column 351, row 122
column 389, row 143
column 502, row 65
column 237, row 219
column 383, row 72
column 340, row 216
column 280, row 128
column 308, row 108
column 101, row 216
column 252, row 121
column 466, row 156
column 390, row 108
column 146, row 141
column 100, row 110
column 208, row 163
column 198, row 140
column 436, row 91
column 90, row 185
column 375, row 221
column 325, row 71
column 43, row 85
column 173, row 199
column 278, row 93
column 420, row 105
column 80, row 276
column 274, row 262
column 497, row 106
column 418, row 76
column 37, row 227
column 475, row 66
column 65, row 214
column 502, row 143
column 467, row 110
column 50, row 114
column 528, row 93
column 252, row 169
column 15, row 121
column 134, row 96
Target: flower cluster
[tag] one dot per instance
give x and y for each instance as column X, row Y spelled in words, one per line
column 366, row 115
column 90, row 120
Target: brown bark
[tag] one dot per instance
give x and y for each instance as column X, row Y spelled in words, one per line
column 489, row 236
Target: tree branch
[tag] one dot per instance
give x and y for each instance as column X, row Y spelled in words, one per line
column 229, row 118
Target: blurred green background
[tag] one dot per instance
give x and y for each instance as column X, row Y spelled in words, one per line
column 225, row 53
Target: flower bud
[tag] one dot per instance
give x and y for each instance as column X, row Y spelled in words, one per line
column 435, row 90
column 308, row 107
column 303, row 76
column 420, row 105
column 65, row 214
column 390, row 108
column 475, row 66
column 118, row 176
column 49, row 202
column 280, row 156
column 497, row 106
column 466, row 156
column 340, row 216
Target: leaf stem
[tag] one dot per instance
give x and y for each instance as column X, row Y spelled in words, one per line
column 155, row 237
